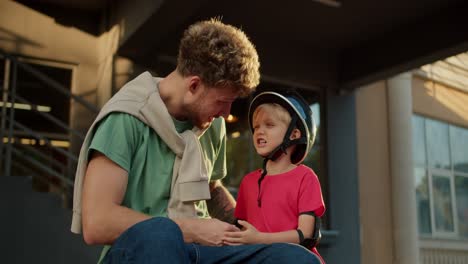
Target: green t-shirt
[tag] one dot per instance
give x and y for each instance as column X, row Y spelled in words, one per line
column 139, row 150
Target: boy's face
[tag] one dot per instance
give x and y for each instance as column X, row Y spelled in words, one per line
column 268, row 132
column 209, row 104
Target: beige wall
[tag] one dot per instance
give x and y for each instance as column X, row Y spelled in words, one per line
column 374, row 174
column 441, row 102
column 26, row 32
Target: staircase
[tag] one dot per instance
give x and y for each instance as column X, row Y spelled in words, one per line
column 35, row 207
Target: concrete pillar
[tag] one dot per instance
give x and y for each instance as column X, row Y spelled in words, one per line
column 343, row 180
column 400, row 110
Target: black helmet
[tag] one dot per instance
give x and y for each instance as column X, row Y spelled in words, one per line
column 301, row 117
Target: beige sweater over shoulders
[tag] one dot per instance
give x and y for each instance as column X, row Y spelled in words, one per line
column 140, row 98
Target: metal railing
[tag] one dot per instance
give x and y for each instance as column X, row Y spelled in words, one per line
column 40, row 158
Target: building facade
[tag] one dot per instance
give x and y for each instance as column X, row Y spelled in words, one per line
column 433, row 137
column 392, row 156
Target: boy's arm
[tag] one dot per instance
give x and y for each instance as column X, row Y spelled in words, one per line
column 250, row 235
column 222, row 204
column 306, row 225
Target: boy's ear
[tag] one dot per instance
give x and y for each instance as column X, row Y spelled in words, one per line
column 295, row 134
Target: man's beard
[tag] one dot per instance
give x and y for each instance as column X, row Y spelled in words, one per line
column 193, row 114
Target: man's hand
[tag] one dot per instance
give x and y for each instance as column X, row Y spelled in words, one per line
column 207, row 232
column 248, row 235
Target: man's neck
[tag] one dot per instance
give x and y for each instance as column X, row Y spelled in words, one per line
column 171, row 90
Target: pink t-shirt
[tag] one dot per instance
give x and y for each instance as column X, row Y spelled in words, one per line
column 283, row 198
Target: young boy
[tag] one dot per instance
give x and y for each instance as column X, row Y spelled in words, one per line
column 279, row 203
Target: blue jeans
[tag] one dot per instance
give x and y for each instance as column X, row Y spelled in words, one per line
column 159, row 240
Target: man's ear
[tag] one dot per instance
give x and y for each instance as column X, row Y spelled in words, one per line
column 295, row 134
column 194, row 84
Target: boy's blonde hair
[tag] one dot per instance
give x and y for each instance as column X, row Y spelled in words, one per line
column 281, row 113
column 221, row 55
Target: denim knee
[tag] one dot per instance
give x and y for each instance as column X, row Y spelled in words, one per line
column 287, row 252
column 157, row 239
column 154, row 230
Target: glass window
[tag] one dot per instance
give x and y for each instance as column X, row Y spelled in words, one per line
column 442, row 203
column 36, row 92
column 423, row 201
column 316, row 113
column 241, row 158
column 419, row 145
column 461, row 193
column 2, row 71
column 459, row 139
column 240, row 153
column 438, row 144
column 440, row 154
column 313, row 159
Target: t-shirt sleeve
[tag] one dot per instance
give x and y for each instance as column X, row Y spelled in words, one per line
column 310, row 195
column 116, row 136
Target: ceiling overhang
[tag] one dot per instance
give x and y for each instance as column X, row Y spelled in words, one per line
column 339, row 45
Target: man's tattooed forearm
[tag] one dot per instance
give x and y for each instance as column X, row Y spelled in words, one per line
column 222, row 204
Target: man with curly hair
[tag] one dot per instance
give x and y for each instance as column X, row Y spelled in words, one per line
column 148, row 179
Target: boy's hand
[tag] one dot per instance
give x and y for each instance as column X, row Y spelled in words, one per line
column 210, row 232
column 248, row 235
column 207, row 232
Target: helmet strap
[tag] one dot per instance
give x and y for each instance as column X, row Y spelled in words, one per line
column 264, row 172
column 277, row 152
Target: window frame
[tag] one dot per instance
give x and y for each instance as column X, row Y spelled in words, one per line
column 450, row 174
